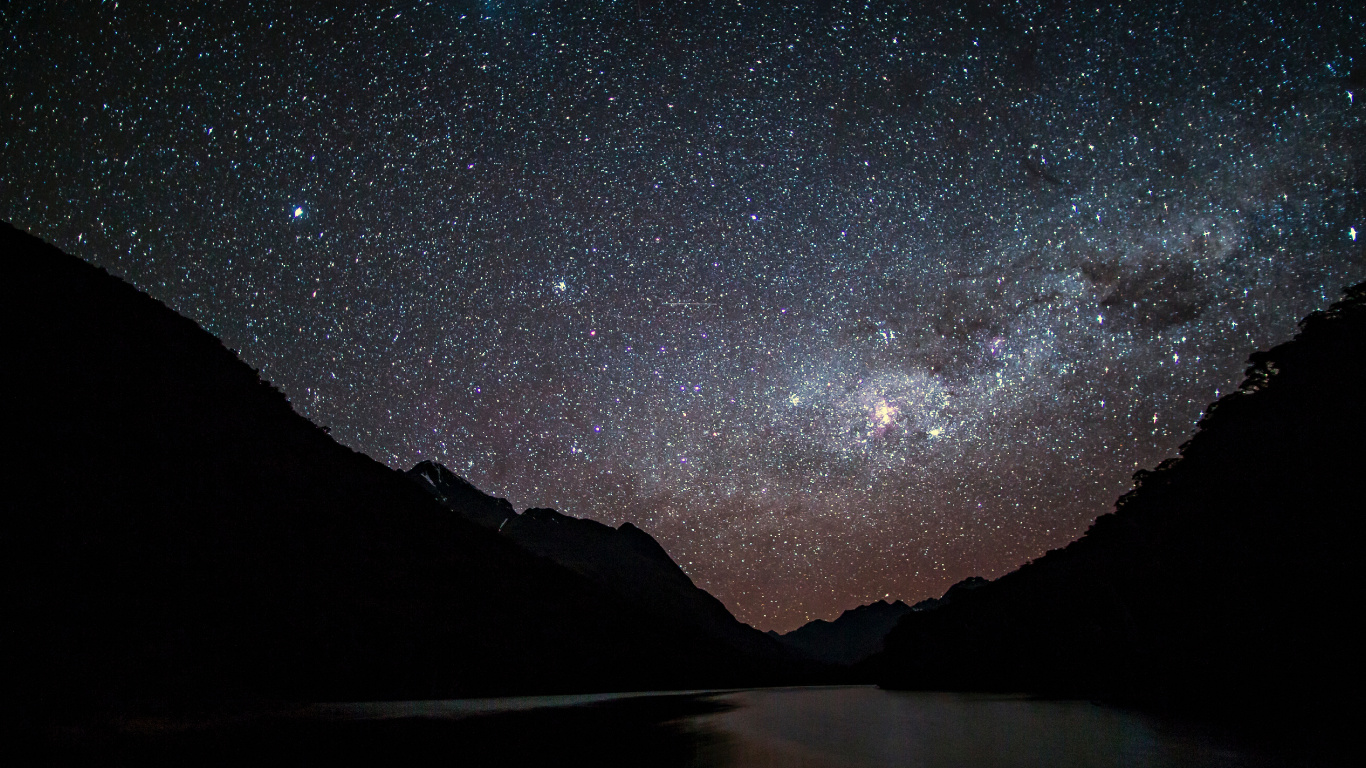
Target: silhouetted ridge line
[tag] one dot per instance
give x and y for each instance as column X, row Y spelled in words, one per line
column 855, row 635
column 625, row 561
column 1226, row 582
column 176, row 532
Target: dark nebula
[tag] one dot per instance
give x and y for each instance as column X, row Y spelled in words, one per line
column 838, row 304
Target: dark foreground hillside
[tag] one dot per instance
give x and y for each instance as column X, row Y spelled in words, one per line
column 173, row 532
column 1227, row 584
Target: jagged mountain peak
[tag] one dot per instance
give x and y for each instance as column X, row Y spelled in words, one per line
column 855, row 635
column 877, row 606
column 459, row 494
column 438, row 475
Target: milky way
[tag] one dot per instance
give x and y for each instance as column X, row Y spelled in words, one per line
column 838, row 304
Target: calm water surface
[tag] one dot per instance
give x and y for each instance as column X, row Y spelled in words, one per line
column 865, row 726
column 846, row 727
column 819, row 727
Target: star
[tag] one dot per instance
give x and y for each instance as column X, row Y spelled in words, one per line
column 888, row 283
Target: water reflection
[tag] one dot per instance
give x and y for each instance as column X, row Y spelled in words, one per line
column 863, row 727
column 845, row 727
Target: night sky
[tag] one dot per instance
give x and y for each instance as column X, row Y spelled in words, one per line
column 838, row 304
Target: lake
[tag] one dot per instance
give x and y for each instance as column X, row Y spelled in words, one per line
column 864, row 727
column 808, row 727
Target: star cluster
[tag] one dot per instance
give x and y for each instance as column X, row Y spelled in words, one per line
column 838, row 304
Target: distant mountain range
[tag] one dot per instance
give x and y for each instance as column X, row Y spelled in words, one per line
column 854, row 636
column 174, row 531
column 859, row 632
column 1226, row 584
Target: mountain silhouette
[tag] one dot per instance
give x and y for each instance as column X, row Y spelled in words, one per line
column 1226, row 583
column 175, row 532
column 857, row 633
column 626, row 560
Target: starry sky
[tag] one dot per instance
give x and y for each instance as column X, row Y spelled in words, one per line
column 839, row 303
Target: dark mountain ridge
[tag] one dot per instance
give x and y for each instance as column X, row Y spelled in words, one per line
column 174, row 531
column 855, row 635
column 625, row 561
column 1225, row 585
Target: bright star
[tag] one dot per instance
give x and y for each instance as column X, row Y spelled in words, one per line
column 298, row 212
column 1352, row 233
